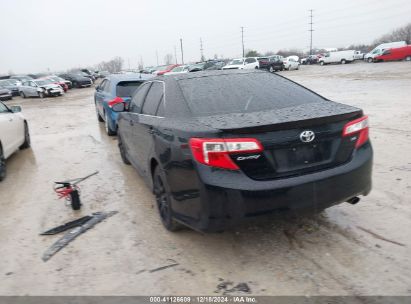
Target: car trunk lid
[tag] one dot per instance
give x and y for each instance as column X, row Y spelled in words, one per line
column 286, row 152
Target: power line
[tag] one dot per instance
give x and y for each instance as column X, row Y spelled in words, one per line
column 311, row 31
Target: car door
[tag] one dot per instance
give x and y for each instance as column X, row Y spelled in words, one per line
column 129, row 119
column 11, row 130
column 144, row 128
column 101, row 95
column 32, row 88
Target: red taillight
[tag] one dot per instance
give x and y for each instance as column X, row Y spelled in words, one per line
column 114, row 101
column 360, row 127
column 216, row 152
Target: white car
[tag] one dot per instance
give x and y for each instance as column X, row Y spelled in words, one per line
column 40, row 88
column 243, row 64
column 14, row 134
column 290, row 63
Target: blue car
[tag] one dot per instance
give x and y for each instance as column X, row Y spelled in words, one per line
column 113, row 89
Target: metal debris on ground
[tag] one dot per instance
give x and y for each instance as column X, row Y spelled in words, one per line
column 240, row 287
column 377, row 236
column 67, row 226
column 70, row 191
column 165, row 267
column 72, row 234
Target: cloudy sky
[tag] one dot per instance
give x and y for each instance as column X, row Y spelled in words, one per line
column 57, row 35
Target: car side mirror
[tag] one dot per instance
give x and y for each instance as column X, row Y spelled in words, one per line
column 119, row 107
column 15, row 109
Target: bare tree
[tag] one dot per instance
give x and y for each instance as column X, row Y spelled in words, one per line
column 400, row 34
column 168, row 59
column 114, row 65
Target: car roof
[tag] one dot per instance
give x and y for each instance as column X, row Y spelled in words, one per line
column 133, row 76
column 207, row 73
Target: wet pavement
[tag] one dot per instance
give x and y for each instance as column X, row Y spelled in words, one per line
column 361, row 249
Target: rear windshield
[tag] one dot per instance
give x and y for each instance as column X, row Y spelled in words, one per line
column 243, row 93
column 127, row 88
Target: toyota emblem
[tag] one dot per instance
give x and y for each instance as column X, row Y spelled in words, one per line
column 307, row 136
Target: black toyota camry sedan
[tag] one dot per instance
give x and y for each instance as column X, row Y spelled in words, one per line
column 217, row 147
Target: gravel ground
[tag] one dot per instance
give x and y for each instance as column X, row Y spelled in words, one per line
column 361, row 249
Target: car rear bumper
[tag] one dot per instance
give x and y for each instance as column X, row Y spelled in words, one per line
column 231, row 197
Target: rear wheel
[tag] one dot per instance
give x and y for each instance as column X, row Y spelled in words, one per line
column 109, row 130
column 321, row 62
column 369, row 60
column 2, row 165
column 26, row 144
column 123, row 152
column 41, row 94
column 408, row 58
column 271, row 69
column 22, row 94
column 163, row 200
column 343, row 61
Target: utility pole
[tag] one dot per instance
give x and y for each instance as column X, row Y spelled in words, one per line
column 311, row 31
column 157, row 57
column 242, row 39
column 201, row 50
column 175, row 54
column 182, row 54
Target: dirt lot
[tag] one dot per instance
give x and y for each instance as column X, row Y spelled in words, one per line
column 346, row 250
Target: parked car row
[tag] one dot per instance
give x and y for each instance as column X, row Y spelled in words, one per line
column 43, row 85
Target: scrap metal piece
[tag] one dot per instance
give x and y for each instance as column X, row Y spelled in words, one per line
column 72, row 234
column 67, row 226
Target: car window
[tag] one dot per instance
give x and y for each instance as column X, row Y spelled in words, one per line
column 138, row 98
column 127, row 88
column 102, row 84
column 153, row 99
column 161, row 109
column 3, row 108
column 243, row 93
column 107, row 86
column 250, row 60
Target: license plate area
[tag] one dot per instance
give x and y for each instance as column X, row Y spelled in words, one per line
column 302, row 156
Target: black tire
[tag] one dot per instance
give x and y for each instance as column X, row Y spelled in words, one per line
column 3, row 169
column 322, row 63
column 123, row 152
column 41, row 95
column 26, row 144
column 271, row 69
column 109, row 130
column 370, row 60
column 75, row 200
column 99, row 118
column 22, row 94
column 343, row 61
column 408, row 58
column 163, row 200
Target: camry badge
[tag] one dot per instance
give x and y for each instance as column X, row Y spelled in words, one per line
column 307, row 136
